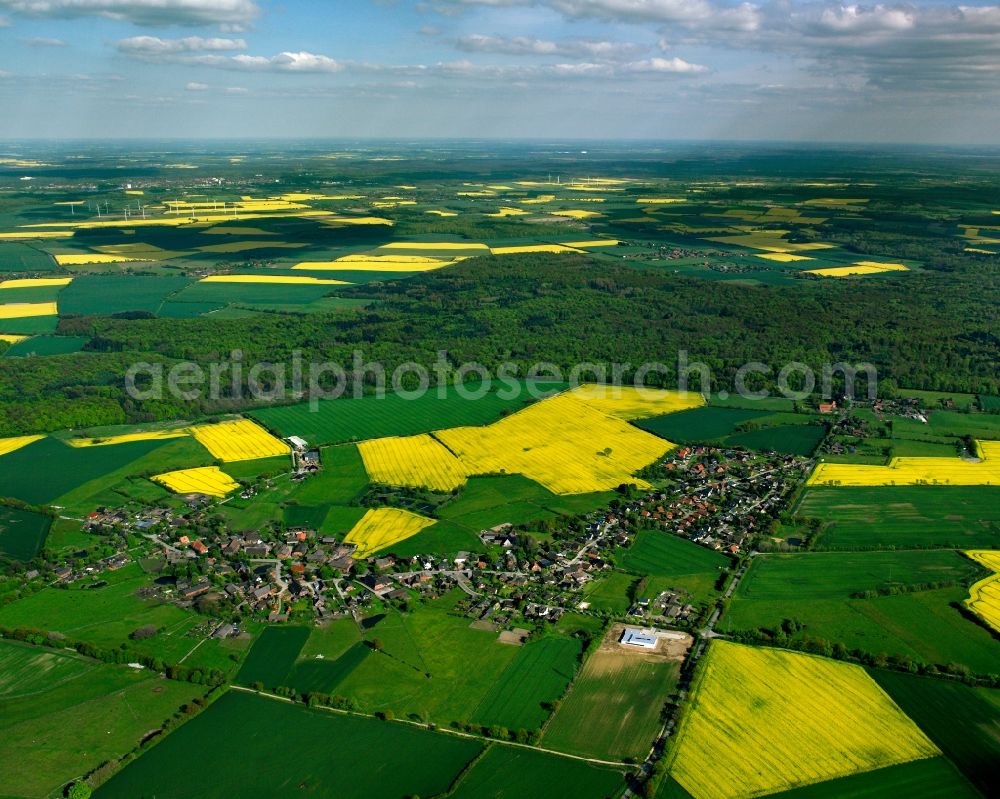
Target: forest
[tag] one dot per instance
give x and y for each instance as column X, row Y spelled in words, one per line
column 930, row 331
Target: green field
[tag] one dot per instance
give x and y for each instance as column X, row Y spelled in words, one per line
column 324, row 676
column 485, row 502
column 788, row 439
column 30, row 294
column 105, row 295
column 610, row 592
column 62, row 715
column 613, row 708
column 27, row 473
column 29, row 326
column 352, row 419
column 680, row 563
column 433, row 664
column 952, row 424
column 831, row 575
column 272, row 656
column 539, row 674
column 887, row 516
column 506, row 772
column 331, row 640
column 320, row 754
column 699, row 424
column 814, row 590
column 126, row 481
column 931, row 778
column 47, row 345
column 22, row 533
column 964, row 722
column 262, row 295
column 106, row 616
column 27, row 670
column 341, row 480
column 18, row 257
column 933, row 399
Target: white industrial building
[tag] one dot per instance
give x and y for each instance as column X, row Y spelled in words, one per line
column 632, row 637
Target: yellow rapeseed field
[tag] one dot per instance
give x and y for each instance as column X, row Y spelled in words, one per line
column 23, row 310
column 584, row 245
column 10, row 444
column 434, row 245
column 984, row 596
column 630, row 402
column 532, row 248
column 575, row 213
column 859, row 268
column 35, row 282
column 660, row 200
column 441, row 213
column 541, row 199
column 506, row 211
column 914, row 471
column 767, row 720
column 93, row 258
column 784, row 257
column 238, row 440
column 988, row 450
column 127, row 438
column 11, row 339
column 338, row 221
column 280, row 279
column 562, row 443
column 208, row 480
column 48, row 234
column 415, row 461
column 296, row 197
column 379, row 263
column 383, row 527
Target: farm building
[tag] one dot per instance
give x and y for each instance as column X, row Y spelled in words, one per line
column 633, row 637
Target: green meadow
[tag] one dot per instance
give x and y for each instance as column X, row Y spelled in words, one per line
column 321, row 754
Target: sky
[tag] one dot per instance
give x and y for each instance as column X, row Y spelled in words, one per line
column 921, row 72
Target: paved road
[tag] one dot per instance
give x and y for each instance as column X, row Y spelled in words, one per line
column 704, row 635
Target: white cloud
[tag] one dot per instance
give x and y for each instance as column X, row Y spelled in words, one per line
column 849, row 19
column 43, row 41
column 197, row 87
column 675, row 65
column 153, row 46
column 237, row 90
column 525, row 45
column 232, row 13
column 301, row 62
column 701, row 13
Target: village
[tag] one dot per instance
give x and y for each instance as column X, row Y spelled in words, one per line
column 721, row 499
